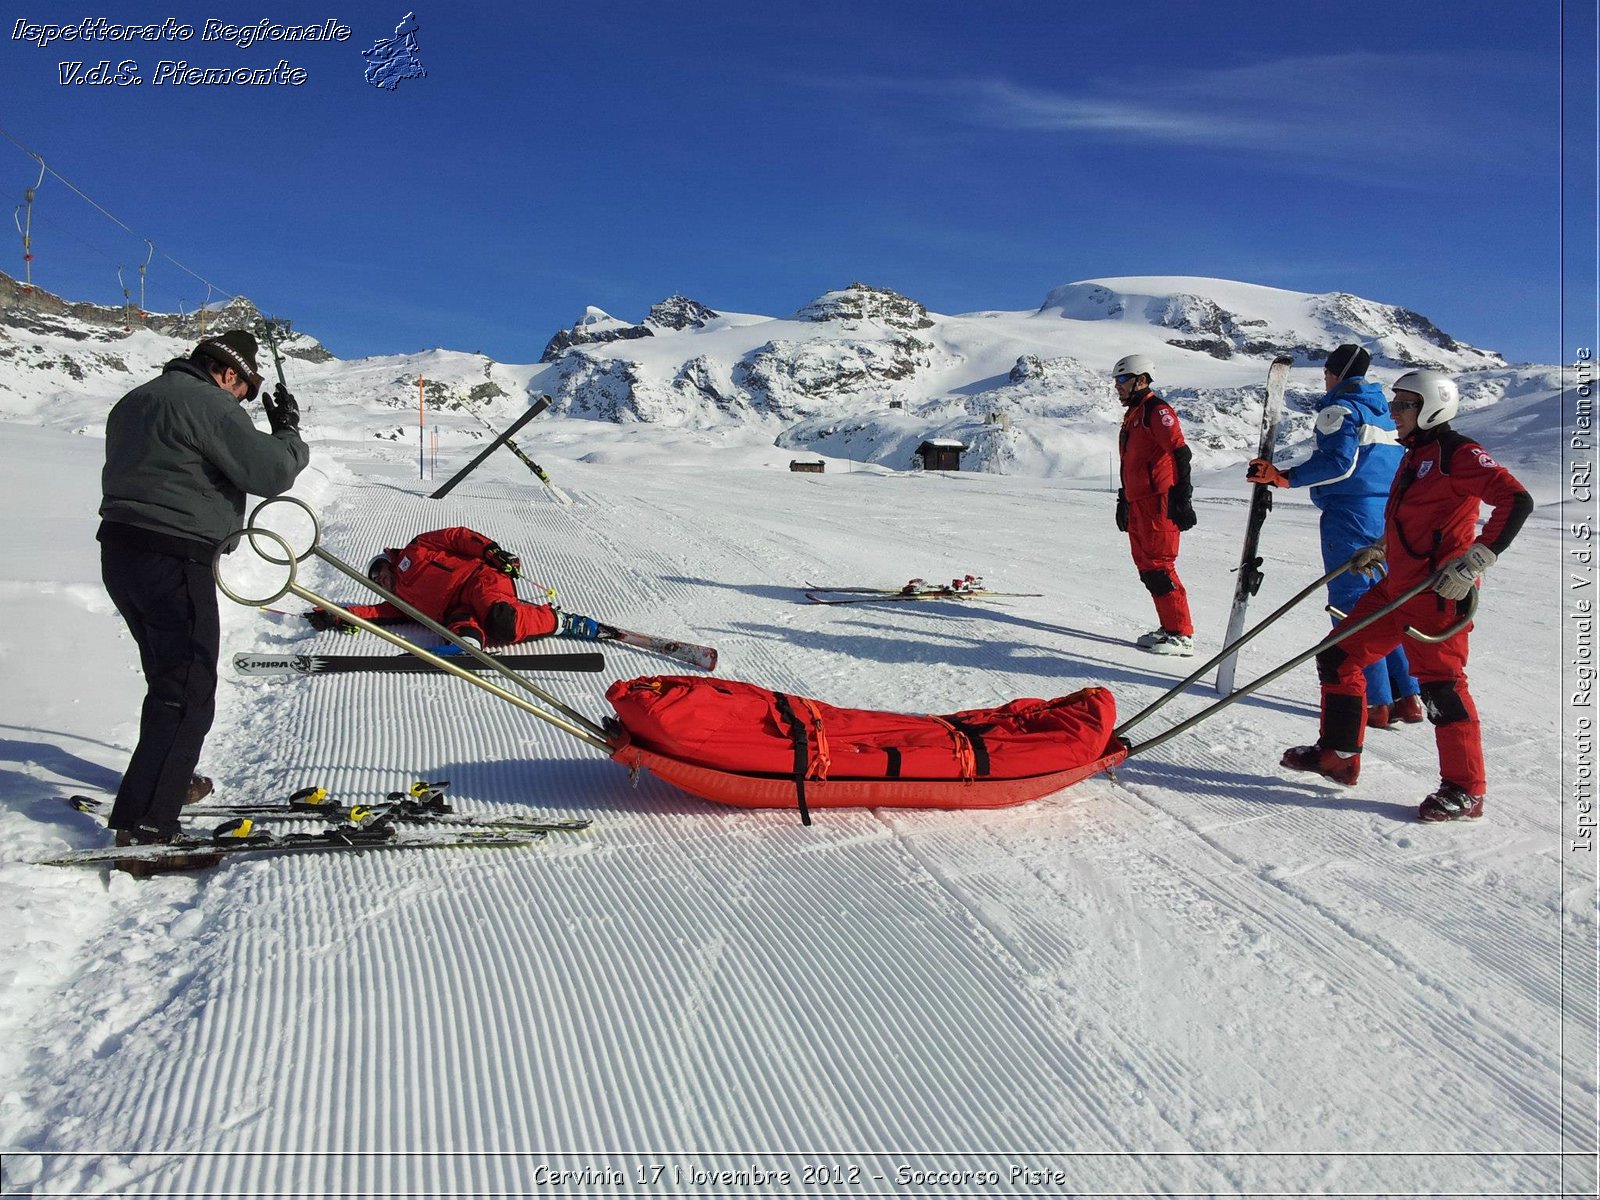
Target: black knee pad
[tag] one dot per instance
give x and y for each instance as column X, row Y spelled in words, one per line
column 1328, row 664
column 1443, row 703
column 1157, row 583
column 501, row 623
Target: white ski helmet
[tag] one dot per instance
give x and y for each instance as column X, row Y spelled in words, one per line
column 1134, row 364
column 1440, row 398
column 377, row 561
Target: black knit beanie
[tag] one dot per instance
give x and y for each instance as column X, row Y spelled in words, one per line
column 1349, row 361
column 236, row 349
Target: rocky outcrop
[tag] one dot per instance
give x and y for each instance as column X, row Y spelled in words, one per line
column 42, row 312
column 602, row 388
column 862, row 302
column 1397, row 336
column 788, row 379
column 596, row 325
column 680, row 312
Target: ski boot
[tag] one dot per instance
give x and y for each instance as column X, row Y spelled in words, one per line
column 1450, row 803
column 1321, row 761
column 1407, row 709
column 1167, row 642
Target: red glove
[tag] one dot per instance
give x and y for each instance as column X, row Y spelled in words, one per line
column 1261, row 471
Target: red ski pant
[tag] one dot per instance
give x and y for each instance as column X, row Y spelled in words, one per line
column 1154, row 542
column 476, row 602
column 1439, row 667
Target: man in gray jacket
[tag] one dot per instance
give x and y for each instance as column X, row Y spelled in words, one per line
column 180, row 456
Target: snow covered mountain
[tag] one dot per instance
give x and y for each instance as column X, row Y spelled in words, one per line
column 861, row 373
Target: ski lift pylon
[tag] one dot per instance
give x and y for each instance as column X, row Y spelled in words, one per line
column 22, row 215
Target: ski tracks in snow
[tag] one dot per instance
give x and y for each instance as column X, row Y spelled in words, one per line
column 1199, row 958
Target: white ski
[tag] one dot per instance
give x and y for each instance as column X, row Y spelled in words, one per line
column 1249, row 581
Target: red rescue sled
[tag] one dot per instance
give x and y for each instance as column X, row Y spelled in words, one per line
column 739, row 744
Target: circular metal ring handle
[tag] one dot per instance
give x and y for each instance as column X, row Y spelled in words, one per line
column 216, row 566
column 250, row 531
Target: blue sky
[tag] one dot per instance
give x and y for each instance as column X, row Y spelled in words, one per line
column 754, row 155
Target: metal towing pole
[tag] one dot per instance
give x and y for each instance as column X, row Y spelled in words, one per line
column 1231, row 648
column 1466, row 608
column 573, row 721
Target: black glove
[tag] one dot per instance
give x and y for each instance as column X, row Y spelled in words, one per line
column 1122, row 511
column 1180, row 508
column 282, row 411
column 502, row 560
column 322, row 620
column 1180, row 500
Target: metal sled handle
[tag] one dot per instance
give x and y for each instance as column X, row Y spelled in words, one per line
column 1231, row 648
column 1326, row 643
column 576, row 723
column 1466, row 608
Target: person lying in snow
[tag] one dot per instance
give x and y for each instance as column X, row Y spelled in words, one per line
column 465, row 581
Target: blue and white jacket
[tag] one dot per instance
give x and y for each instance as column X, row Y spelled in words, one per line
column 1357, row 452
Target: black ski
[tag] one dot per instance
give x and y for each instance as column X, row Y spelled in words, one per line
column 1250, row 575
column 241, row 837
column 537, row 407
column 408, row 664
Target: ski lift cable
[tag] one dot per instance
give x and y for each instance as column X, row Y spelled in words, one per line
column 45, row 168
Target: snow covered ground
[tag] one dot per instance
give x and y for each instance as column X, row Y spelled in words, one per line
column 1203, row 975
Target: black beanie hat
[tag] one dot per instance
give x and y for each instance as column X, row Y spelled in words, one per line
column 1349, row 361
column 236, row 349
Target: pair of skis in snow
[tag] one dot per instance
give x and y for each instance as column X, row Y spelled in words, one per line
column 968, row 587
column 420, row 818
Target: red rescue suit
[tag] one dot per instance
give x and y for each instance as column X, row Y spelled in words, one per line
column 1431, row 518
column 444, row 575
column 1149, row 439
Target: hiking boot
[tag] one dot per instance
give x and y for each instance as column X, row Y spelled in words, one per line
column 1408, row 709
column 1322, row 761
column 1380, row 716
column 1180, row 644
column 200, row 786
column 1450, row 803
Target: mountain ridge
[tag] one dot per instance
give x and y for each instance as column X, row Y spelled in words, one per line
column 860, row 372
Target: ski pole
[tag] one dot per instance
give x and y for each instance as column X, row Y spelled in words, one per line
column 576, row 723
column 271, row 328
column 1466, row 607
column 1232, row 647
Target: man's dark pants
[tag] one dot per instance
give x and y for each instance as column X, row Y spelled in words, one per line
column 170, row 605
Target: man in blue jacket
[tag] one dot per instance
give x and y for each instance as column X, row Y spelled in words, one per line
column 1349, row 475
